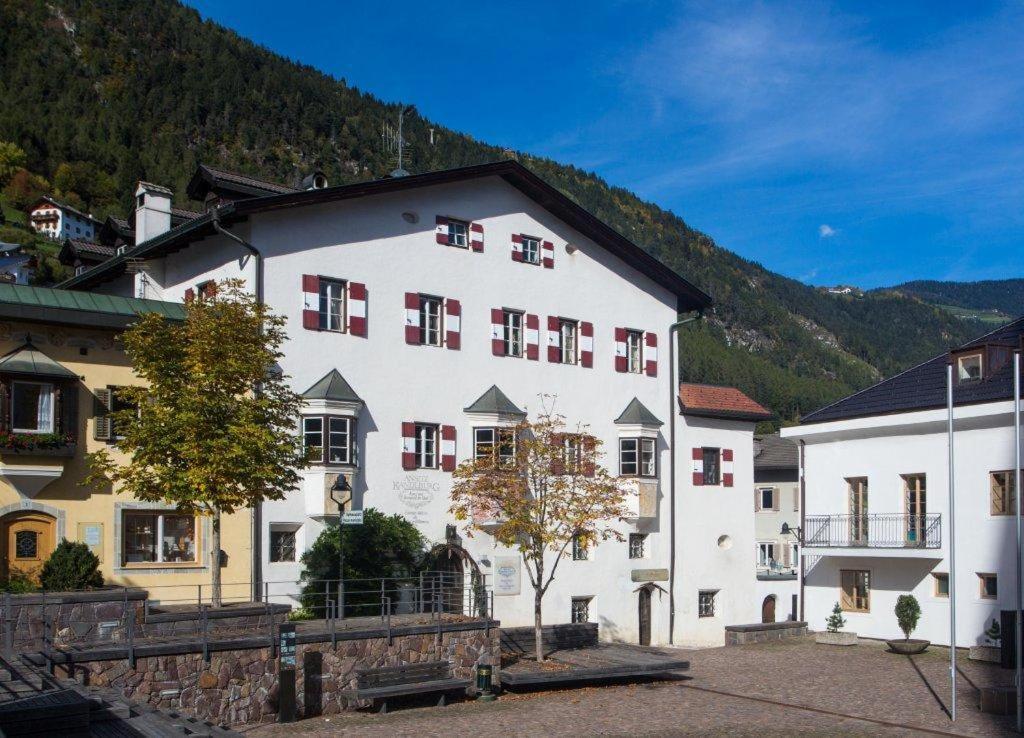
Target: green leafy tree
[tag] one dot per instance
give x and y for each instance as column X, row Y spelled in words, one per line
column 24, row 188
column 383, row 547
column 908, row 613
column 539, row 493
column 835, row 622
column 71, row 566
column 12, row 158
column 213, row 428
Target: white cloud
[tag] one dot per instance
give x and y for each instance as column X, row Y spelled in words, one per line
column 826, row 231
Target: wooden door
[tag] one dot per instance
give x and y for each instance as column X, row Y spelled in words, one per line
column 645, row 616
column 768, row 609
column 916, row 506
column 858, row 511
column 29, row 539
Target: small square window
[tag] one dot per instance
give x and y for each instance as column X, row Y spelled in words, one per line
column 765, row 554
column 531, row 250
column 637, row 545
column 581, row 609
column 855, row 590
column 969, row 367
column 1002, row 493
column 941, row 585
column 495, row 445
column 458, row 232
column 579, row 549
column 706, row 603
column 282, row 545
column 989, row 586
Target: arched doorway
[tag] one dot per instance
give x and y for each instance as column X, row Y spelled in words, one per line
column 768, row 609
column 453, row 577
column 28, row 538
column 644, row 612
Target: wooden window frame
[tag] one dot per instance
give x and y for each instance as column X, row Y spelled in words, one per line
column 453, row 236
column 568, row 329
column 159, row 519
column 980, row 356
column 937, row 577
column 770, row 547
column 536, row 252
column 642, row 448
column 637, row 546
column 634, row 351
column 512, row 336
column 714, row 453
column 845, row 602
column 290, row 531
column 1010, row 497
column 426, row 301
column 706, row 603
column 421, row 437
column 51, row 389
column 325, row 300
column 982, row 576
column 579, row 551
column 492, row 449
column 760, row 493
column 580, row 605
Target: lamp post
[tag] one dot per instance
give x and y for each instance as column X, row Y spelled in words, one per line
column 796, row 531
column 339, row 488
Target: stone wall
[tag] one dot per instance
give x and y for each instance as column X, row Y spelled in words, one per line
column 738, row 635
column 240, row 686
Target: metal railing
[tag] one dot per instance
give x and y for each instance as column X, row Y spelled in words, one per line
column 176, row 612
column 873, row 531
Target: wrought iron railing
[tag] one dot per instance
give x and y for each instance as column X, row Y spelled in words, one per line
column 873, row 531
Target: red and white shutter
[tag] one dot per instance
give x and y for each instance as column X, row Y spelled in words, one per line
column 357, row 308
column 497, row 332
column 412, row 318
column 452, row 324
column 408, row 445
column 554, row 341
column 448, row 448
column 621, row 361
column 476, row 236
column 726, row 467
column 587, row 344
column 441, row 230
column 548, row 255
column 698, row 466
column 532, row 337
column 311, row 302
column 517, row 247
column 651, row 353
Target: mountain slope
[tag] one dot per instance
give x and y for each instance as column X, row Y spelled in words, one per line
column 148, row 90
column 1004, row 296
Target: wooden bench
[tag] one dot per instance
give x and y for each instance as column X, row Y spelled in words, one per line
column 379, row 685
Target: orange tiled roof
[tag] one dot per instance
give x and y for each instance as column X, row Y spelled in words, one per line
column 719, row 402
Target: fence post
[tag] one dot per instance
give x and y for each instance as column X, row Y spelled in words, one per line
column 266, row 591
column 389, row 619
column 437, row 638
column 490, row 616
column 8, row 626
column 130, row 632
column 199, row 596
column 419, row 595
column 205, row 624
column 273, row 640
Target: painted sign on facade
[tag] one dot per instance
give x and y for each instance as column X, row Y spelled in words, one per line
column 507, row 571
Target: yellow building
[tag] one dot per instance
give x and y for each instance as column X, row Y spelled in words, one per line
column 60, row 357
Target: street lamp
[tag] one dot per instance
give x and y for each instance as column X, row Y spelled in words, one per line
column 340, row 488
column 797, row 531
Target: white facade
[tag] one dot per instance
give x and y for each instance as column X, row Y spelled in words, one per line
column 57, row 221
column 776, row 555
column 386, row 244
column 887, row 451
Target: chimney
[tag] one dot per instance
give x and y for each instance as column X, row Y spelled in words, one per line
column 152, row 211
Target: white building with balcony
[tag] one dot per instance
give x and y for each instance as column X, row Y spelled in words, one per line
column 876, row 523
column 428, row 313
column 776, row 506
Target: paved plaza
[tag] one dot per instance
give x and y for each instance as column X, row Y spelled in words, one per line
column 787, row 687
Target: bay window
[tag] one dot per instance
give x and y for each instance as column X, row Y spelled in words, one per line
column 495, row 444
column 637, row 457
column 327, row 439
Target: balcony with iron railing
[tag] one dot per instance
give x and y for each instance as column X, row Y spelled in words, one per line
column 873, row 535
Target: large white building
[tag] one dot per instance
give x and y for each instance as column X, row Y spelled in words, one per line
column 427, row 311
column 876, row 523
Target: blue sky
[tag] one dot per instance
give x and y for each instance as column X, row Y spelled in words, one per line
column 863, row 142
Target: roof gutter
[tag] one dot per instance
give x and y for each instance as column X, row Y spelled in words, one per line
column 672, row 420
column 257, row 524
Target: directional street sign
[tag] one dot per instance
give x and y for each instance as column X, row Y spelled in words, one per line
column 352, row 517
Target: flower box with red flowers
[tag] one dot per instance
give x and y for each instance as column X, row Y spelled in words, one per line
column 37, row 444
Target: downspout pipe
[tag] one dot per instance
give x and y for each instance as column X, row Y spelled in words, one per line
column 257, row 524
column 673, row 394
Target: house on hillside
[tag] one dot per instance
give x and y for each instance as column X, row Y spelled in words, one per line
column 57, row 220
column 60, row 360
column 876, row 476
column 777, row 508
column 428, row 312
column 16, row 267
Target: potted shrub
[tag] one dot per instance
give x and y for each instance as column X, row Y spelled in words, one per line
column 991, row 649
column 908, row 613
column 834, row 635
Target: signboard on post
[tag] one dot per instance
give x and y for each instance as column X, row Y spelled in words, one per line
column 507, row 573
column 286, row 672
column 352, row 517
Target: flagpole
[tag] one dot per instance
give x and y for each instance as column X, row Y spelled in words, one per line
column 1016, row 504
column 952, row 546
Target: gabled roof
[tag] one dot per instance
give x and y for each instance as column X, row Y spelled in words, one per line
column 69, row 307
column 713, row 401
column 209, row 179
column 514, row 173
column 64, row 206
column 923, row 387
column 30, row 361
column 75, row 249
column 773, row 452
column 636, row 413
column 332, row 386
column 494, row 402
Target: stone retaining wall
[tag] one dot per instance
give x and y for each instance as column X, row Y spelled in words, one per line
column 738, row 635
column 240, row 687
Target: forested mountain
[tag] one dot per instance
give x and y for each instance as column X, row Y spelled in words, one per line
column 147, row 90
column 1003, row 295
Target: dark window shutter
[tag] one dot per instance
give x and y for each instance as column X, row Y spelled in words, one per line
column 103, row 430
column 5, row 406
column 69, row 410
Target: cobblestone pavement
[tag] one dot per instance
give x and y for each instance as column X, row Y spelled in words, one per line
column 791, row 687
